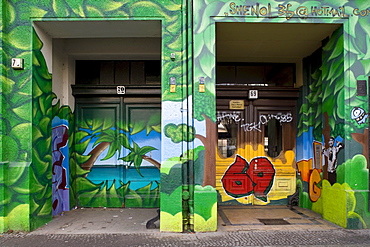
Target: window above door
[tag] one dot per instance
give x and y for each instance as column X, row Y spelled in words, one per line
column 118, row 72
column 256, row 74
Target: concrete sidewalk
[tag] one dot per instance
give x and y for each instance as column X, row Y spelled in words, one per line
column 237, row 226
column 100, row 221
column 230, row 218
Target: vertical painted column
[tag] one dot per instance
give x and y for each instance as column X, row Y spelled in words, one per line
column 174, row 108
column 204, row 114
column 2, row 164
column 3, row 196
column 16, row 119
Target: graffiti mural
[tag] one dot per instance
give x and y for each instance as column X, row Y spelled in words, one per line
column 260, row 181
column 60, row 171
column 328, row 106
column 243, row 179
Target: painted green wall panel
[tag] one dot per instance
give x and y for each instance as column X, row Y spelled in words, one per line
column 4, row 197
column 205, row 209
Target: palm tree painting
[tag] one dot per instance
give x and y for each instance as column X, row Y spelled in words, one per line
column 118, row 161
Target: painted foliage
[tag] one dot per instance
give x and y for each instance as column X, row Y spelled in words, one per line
column 332, row 117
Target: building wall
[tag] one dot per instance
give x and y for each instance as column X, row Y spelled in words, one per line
column 32, row 99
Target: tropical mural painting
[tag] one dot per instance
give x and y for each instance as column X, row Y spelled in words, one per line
column 120, row 161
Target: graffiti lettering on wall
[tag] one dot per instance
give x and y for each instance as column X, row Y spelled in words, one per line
column 263, row 119
column 59, row 172
column 304, row 12
column 359, row 115
column 289, row 11
column 254, row 10
column 244, row 179
column 363, row 12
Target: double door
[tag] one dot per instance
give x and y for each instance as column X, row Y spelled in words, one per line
column 118, row 146
column 256, row 149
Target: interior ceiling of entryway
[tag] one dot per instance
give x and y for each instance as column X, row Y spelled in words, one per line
column 101, row 29
column 235, row 42
column 106, row 40
column 269, row 42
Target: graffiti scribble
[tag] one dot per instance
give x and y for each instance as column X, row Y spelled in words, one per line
column 59, row 176
column 263, row 119
column 244, row 179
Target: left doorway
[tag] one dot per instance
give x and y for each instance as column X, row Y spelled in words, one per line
column 118, row 146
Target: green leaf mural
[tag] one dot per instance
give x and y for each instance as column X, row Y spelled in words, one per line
column 27, row 95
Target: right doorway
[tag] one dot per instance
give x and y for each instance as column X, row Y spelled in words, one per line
column 256, row 145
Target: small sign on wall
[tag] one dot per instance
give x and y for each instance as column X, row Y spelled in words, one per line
column 236, row 104
column 121, row 90
column 253, row 94
column 17, row 63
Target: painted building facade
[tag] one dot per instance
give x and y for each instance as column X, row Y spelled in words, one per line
column 184, row 105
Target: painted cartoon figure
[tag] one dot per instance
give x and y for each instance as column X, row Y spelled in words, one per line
column 359, row 115
column 331, row 153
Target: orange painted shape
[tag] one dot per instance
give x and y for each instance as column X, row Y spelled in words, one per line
column 304, row 168
column 314, row 191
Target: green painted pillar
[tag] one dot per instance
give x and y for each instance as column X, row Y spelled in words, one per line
column 171, row 219
column 205, row 209
column 18, row 183
column 3, row 197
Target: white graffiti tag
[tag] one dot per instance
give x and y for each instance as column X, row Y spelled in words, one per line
column 263, row 119
column 222, row 116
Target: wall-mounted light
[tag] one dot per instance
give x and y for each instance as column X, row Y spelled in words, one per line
column 202, row 87
column 172, row 84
